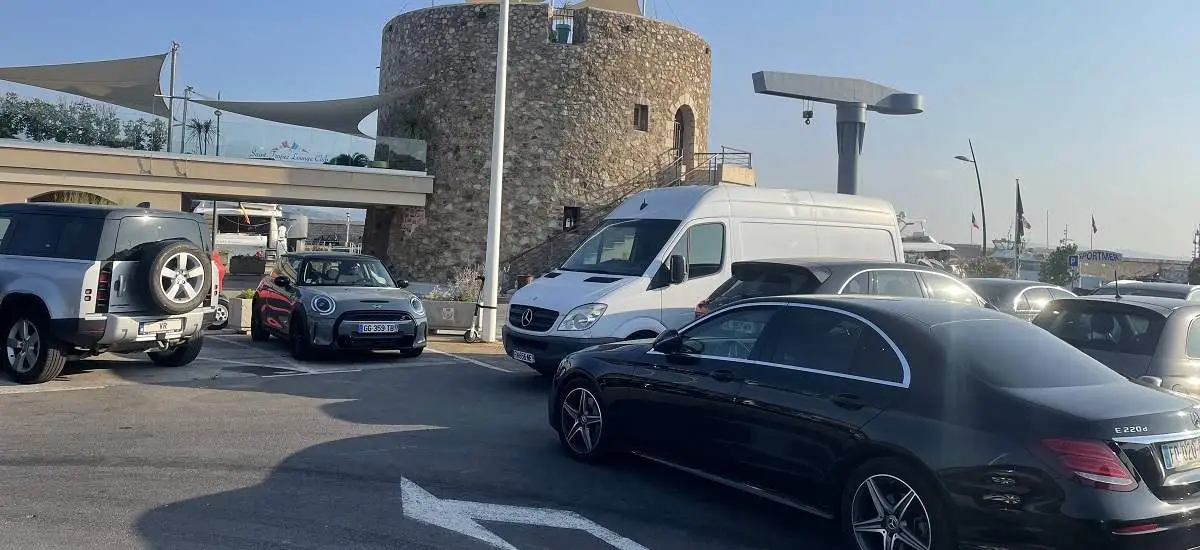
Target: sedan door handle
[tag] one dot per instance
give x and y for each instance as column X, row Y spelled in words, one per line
column 724, row 376
column 848, row 401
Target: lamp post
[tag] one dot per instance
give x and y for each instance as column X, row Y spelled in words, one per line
column 982, row 211
column 491, row 275
column 218, row 113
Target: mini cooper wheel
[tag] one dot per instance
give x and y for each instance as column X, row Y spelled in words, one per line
column 258, row 331
column 889, row 505
column 302, row 348
column 30, row 355
column 580, row 426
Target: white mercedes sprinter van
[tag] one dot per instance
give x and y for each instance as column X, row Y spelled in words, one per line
column 664, row 250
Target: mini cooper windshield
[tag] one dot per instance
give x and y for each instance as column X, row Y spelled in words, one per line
column 345, row 272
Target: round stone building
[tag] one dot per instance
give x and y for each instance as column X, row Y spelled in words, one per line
column 599, row 103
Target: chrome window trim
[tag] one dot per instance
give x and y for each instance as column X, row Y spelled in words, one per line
column 906, row 379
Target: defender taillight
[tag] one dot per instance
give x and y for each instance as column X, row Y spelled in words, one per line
column 103, row 285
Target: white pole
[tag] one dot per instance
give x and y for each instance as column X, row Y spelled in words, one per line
column 491, row 274
column 171, row 93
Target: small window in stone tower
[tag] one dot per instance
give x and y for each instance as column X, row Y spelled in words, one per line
column 641, row 117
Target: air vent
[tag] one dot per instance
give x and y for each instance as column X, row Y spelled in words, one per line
column 551, row 275
column 601, row 280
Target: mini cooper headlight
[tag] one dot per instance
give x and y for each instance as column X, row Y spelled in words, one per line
column 418, row 308
column 322, row 304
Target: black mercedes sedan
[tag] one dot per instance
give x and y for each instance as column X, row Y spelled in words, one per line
column 1017, row 297
column 915, row 424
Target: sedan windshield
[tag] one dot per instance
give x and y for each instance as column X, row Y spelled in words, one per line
column 345, row 272
column 625, row 247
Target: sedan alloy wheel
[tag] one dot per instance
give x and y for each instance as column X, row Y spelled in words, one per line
column 581, row 422
column 888, row 514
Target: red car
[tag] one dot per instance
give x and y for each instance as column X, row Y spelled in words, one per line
column 221, row 320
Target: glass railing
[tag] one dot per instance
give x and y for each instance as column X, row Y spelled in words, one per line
column 204, row 133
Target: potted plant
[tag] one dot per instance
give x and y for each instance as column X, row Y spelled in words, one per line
column 240, row 308
column 451, row 306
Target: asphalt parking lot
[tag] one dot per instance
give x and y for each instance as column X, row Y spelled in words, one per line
column 248, row 449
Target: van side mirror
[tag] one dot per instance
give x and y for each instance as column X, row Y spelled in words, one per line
column 283, row 281
column 402, row 283
column 669, row 342
column 677, row 265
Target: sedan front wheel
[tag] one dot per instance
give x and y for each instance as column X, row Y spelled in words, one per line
column 581, row 428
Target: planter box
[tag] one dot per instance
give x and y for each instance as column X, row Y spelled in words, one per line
column 457, row 315
column 247, row 265
column 239, row 313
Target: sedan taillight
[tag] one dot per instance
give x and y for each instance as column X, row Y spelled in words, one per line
column 1092, row 463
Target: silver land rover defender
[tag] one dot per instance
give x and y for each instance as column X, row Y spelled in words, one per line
column 81, row 280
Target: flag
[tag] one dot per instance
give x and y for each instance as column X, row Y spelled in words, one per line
column 1022, row 222
column 1094, row 228
column 244, row 213
column 974, row 225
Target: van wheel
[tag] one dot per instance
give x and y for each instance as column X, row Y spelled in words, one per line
column 31, row 356
column 180, row 355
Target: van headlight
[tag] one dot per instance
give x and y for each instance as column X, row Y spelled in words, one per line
column 418, row 308
column 582, row 317
column 322, row 304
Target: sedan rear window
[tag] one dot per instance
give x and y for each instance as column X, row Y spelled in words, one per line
column 1013, row 354
column 761, row 282
column 1096, row 327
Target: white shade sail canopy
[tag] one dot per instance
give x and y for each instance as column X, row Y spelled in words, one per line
column 131, row 83
column 334, row 115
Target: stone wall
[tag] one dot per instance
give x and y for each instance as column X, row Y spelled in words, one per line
column 570, row 134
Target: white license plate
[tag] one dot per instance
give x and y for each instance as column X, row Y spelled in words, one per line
column 160, row 327
column 522, row 356
column 1181, row 455
column 378, row 328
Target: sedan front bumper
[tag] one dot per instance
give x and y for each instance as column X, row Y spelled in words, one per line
column 344, row 331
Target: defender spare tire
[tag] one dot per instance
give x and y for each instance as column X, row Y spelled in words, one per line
column 176, row 275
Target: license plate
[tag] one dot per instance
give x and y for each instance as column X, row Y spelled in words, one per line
column 522, row 356
column 378, row 328
column 160, row 327
column 1181, row 455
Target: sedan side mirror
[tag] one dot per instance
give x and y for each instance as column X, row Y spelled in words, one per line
column 402, row 283
column 283, row 281
column 677, row 265
column 669, row 342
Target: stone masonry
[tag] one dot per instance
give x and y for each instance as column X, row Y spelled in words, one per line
column 571, row 138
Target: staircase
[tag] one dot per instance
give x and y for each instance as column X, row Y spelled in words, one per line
column 669, row 169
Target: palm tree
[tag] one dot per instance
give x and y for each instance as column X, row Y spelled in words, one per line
column 202, row 131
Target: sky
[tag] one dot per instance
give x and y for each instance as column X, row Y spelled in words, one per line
column 1077, row 99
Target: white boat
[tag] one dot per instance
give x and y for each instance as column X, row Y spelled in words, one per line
column 242, row 229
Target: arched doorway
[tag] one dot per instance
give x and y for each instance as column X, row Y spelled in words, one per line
column 685, row 134
column 75, row 197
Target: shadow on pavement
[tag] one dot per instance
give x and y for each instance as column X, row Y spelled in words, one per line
column 492, row 444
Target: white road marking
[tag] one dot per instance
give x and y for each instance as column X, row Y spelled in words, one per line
column 469, row 360
column 266, row 355
column 460, row 516
column 312, row 373
column 38, row 388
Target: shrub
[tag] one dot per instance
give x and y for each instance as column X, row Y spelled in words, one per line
column 246, row 294
column 462, row 287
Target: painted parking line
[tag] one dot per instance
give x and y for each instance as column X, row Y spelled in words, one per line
column 469, row 360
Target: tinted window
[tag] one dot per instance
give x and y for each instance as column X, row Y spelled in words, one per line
column 895, row 282
column 1059, row 294
column 986, row 348
column 730, row 334
column 765, row 281
column 49, row 236
column 622, row 247
column 1037, row 298
column 943, row 287
column 1193, row 339
column 345, row 272
column 137, row 231
column 705, row 249
column 828, row 341
column 1023, row 303
column 860, row 284
column 5, row 223
column 1099, row 328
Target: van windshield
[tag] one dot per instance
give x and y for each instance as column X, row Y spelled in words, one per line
column 622, row 247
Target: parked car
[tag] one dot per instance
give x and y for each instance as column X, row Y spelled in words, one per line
column 1139, row 288
column 1142, row 337
column 664, row 250
column 919, row 421
column 1023, row 299
column 784, row 277
column 337, row 300
column 81, row 280
column 221, row 312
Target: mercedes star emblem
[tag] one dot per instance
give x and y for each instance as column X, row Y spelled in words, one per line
column 1196, row 418
column 377, row 306
column 527, row 317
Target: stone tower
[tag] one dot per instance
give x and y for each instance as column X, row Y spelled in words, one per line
column 596, row 99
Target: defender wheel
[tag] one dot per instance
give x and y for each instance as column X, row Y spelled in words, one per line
column 31, row 356
column 180, row 355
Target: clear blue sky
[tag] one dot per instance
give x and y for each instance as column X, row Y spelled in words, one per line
column 1089, row 103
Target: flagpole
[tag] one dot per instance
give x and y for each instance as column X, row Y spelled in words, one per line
column 1020, row 235
column 1092, row 234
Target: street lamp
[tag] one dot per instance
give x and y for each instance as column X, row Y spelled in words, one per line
column 982, row 210
column 491, row 274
